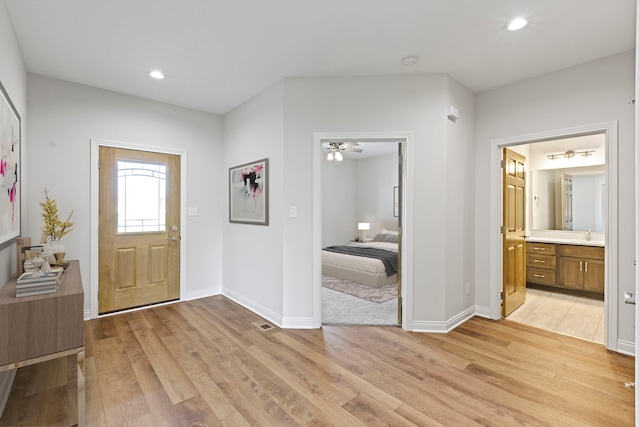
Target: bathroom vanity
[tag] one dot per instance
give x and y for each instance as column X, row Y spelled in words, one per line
column 575, row 266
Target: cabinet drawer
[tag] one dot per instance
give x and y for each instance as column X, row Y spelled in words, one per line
column 541, row 261
column 541, row 276
column 578, row 251
column 541, row 248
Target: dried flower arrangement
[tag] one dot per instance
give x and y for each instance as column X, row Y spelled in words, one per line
column 53, row 228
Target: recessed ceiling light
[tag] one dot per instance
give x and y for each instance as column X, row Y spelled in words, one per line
column 517, row 24
column 157, row 74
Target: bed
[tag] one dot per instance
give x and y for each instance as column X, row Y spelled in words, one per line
column 363, row 269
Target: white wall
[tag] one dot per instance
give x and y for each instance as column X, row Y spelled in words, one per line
column 542, row 200
column 458, row 199
column 415, row 104
column 339, row 202
column 252, row 256
column 64, row 117
column 13, row 76
column 376, row 178
column 357, row 191
column 591, row 93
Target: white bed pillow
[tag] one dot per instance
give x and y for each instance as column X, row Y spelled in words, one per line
column 385, row 231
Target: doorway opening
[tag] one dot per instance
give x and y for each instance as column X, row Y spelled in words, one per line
column 564, row 228
column 535, row 225
column 350, row 215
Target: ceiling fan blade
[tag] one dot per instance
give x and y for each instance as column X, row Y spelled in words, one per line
column 349, row 144
column 355, row 150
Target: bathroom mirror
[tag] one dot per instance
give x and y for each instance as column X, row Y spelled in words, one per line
column 571, row 199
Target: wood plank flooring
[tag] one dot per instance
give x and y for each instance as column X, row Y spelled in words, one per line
column 209, row 362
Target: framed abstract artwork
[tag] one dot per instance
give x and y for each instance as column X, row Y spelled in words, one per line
column 9, row 168
column 249, row 193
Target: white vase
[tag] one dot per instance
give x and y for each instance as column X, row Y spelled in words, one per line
column 57, row 247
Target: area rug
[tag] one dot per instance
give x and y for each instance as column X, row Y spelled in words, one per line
column 377, row 295
column 339, row 308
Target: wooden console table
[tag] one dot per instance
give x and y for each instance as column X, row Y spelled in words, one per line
column 44, row 327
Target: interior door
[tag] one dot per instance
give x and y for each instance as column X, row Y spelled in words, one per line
column 139, row 236
column 513, row 236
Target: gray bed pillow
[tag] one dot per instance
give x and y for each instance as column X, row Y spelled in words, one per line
column 389, row 238
column 379, row 238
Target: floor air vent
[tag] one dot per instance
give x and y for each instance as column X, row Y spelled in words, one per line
column 264, row 326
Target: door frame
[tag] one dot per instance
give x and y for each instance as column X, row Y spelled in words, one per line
column 610, row 130
column 95, row 188
column 406, row 141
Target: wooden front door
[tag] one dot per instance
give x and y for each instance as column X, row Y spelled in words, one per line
column 139, row 236
column 513, row 222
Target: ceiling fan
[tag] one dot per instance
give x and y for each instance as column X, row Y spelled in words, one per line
column 335, row 150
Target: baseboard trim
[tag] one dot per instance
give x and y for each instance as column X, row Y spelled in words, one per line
column 297, row 323
column 446, row 326
column 483, row 312
column 261, row 311
column 626, row 347
column 202, row 294
column 6, row 381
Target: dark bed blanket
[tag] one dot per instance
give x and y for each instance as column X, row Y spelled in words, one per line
column 388, row 258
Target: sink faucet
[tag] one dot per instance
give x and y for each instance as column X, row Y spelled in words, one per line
column 588, row 235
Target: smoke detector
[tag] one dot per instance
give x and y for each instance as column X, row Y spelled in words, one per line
column 409, row 61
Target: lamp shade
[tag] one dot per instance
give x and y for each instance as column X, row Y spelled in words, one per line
column 363, row 226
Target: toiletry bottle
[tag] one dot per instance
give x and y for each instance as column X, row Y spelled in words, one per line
column 588, row 235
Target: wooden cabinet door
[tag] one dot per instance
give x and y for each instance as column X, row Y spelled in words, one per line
column 593, row 275
column 570, row 272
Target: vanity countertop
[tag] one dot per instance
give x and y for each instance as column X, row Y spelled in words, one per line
column 565, row 241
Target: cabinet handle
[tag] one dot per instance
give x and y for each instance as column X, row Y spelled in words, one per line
column 539, row 275
column 539, row 249
column 580, row 265
column 539, row 261
column 586, row 266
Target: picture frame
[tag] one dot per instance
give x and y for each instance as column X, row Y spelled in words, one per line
column 249, row 193
column 10, row 193
column 396, row 202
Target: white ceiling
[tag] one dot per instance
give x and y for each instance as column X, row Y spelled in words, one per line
column 216, row 54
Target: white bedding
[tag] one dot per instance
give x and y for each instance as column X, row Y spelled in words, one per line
column 369, row 265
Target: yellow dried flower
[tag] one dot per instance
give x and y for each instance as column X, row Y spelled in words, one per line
column 53, row 227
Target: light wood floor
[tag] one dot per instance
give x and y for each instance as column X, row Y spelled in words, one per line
column 209, row 362
column 565, row 314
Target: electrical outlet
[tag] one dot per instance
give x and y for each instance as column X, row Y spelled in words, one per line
column 467, row 289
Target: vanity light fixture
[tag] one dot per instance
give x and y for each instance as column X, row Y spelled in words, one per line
column 157, row 74
column 517, row 24
column 570, row 154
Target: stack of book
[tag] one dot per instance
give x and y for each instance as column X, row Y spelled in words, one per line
column 28, row 285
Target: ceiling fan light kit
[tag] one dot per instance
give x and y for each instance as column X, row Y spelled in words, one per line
column 335, row 150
